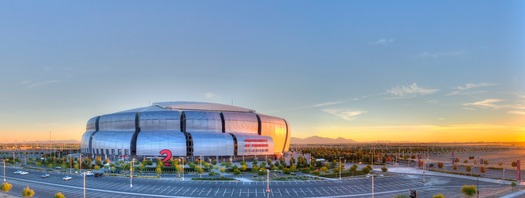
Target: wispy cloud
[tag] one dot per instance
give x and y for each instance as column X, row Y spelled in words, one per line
column 383, row 41
column 467, row 88
column 327, row 104
column 39, row 84
column 443, row 54
column 344, row 114
column 211, row 95
column 410, row 91
column 517, row 112
column 486, row 104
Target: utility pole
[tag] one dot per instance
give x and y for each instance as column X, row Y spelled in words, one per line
column 340, row 168
column 4, row 169
column 372, row 186
column 268, row 182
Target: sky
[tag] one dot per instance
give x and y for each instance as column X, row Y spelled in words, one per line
column 433, row 71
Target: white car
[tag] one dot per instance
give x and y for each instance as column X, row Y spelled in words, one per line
column 65, row 178
column 89, row 173
column 18, row 172
column 24, row 173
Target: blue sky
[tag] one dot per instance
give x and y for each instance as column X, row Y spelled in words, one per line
column 332, row 68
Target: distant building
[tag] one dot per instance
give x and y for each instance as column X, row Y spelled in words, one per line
column 185, row 129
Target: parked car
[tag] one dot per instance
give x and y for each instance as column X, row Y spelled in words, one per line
column 23, row 173
column 99, row 174
column 89, row 173
column 46, row 175
column 65, row 178
column 18, row 172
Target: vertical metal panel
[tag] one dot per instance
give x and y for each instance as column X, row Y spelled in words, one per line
column 240, row 122
column 160, row 120
column 203, row 121
column 212, row 144
column 112, row 140
column 117, row 122
column 150, row 143
column 91, row 124
column 275, row 128
column 84, row 143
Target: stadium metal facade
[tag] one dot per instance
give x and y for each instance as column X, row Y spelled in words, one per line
column 178, row 129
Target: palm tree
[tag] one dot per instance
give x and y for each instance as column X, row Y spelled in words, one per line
column 28, row 192
column 6, row 187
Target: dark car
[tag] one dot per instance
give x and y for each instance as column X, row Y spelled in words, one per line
column 99, row 174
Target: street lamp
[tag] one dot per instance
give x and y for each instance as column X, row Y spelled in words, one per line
column 268, row 182
column 182, row 167
column 84, row 184
column 131, row 173
column 4, row 169
column 372, row 185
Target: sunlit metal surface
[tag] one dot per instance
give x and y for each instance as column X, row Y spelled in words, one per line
column 240, row 122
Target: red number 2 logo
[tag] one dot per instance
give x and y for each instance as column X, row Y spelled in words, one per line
column 167, row 156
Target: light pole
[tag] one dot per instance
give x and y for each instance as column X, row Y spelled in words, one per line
column 372, row 185
column 182, row 167
column 84, row 184
column 4, row 169
column 268, row 182
column 80, row 161
column 131, row 173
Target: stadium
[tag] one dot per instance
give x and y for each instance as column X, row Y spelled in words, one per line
column 186, row 129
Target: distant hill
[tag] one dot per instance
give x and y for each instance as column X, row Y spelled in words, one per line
column 321, row 140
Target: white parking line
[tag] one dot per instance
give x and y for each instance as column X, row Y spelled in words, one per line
column 240, row 192
column 232, row 192
column 280, row 192
column 295, row 192
column 287, row 192
column 208, row 192
column 224, row 192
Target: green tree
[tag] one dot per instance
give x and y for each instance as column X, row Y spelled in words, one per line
column 97, row 167
column 158, row 170
column 324, row 169
column 6, row 187
column 199, row 170
column 469, row 190
column 286, row 171
column 28, row 192
column 513, row 185
column 353, row 169
column 98, row 160
column 38, row 163
column 244, row 167
column 316, row 172
column 236, row 172
column 365, row 170
column 211, row 173
column 59, row 195
column 262, row 171
column 223, row 170
column 438, row 196
column 384, row 169
column 255, row 168
column 293, row 168
column 142, row 166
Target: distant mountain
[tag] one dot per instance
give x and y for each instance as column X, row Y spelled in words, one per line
column 321, row 140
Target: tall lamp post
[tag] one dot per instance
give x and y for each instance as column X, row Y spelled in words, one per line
column 268, row 182
column 84, row 184
column 4, row 169
column 131, row 173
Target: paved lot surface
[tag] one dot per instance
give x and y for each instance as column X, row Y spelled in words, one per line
column 171, row 187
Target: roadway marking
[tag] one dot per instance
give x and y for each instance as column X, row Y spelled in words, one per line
column 287, row 192
column 280, row 192
column 232, row 192
column 224, row 192
column 239, row 192
column 208, row 192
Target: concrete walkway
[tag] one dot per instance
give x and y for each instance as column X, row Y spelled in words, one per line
column 520, row 193
column 415, row 171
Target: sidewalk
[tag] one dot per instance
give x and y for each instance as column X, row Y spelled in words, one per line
column 415, row 171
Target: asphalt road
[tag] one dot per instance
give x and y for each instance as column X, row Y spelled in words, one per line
column 107, row 186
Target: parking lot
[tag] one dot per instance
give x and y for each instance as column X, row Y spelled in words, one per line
column 386, row 186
